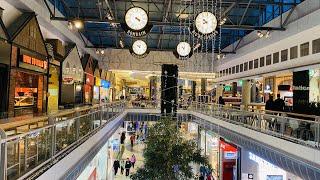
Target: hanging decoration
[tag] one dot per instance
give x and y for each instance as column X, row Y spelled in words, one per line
column 183, row 50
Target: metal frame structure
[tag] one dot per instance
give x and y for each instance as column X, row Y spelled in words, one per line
column 104, row 17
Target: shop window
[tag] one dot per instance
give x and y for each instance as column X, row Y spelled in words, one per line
column 250, row 65
column 304, row 49
column 237, row 69
column 245, row 68
column 241, row 67
column 275, row 57
column 268, row 60
column 26, row 91
column 233, row 69
column 294, row 52
column 284, row 55
column 316, row 46
column 256, row 63
column 261, row 61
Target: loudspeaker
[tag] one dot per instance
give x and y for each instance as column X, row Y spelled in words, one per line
column 169, row 90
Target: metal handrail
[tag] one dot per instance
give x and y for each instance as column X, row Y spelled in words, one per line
column 26, row 153
column 302, row 131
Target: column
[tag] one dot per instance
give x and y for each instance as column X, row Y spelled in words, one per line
column 234, row 89
column 246, row 93
column 219, row 91
column 203, row 86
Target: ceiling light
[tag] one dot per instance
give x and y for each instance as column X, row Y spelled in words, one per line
column 102, row 51
column 221, row 56
column 121, row 43
column 196, row 46
column 70, row 25
column 78, row 23
column 265, row 34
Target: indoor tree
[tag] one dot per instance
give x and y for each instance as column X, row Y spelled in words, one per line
column 168, row 155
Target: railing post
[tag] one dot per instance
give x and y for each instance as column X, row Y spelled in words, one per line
column 52, row 121
column 317, row 132
column 3, row 156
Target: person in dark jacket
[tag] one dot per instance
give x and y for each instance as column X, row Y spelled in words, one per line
column 122, row 138
column 270, row 103
column 221, row 101
column 127, row 166
column 116, row 166
column 279, row 104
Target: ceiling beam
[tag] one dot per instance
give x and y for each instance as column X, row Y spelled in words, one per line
column 159, row 23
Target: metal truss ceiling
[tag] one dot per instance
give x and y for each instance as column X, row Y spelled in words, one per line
column 243, row 16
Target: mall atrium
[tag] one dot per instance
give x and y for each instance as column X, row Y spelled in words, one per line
column 160, row 89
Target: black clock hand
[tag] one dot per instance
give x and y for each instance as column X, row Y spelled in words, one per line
column 137, row 19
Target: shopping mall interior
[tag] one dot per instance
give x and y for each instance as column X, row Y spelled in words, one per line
column 160, row 89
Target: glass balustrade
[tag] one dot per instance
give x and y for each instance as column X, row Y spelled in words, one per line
column 27, row 152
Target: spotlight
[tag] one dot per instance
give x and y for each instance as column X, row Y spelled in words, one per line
column 102, row 51
column 264, row 34
column 70, row 25
column 222, row 21
column 196, row 46
column 78, row 23
column 121, row 43
column 220, row 56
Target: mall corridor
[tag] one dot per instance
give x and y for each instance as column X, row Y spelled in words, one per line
column 203, row 89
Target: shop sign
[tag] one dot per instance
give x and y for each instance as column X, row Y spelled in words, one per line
column 98, row 81
column 300, row 88
column 34, row 61
column 105, row 84
column 133, row 33
column 230, row 155
column 68, row 80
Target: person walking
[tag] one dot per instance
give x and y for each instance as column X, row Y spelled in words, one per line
column 122, row 164
column 116, row 166
column 132, row 138
column 133, row 160
column 122, row 138
column 127, row 166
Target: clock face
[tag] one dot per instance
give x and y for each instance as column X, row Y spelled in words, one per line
column 206, row 22
column 136, row 18
column 139, row 47
column 183, row 49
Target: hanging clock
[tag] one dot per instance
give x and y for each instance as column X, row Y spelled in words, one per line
column 136, row 18
column 205, row 25
column 183, row 51
column 136, row 22
column 139, row 49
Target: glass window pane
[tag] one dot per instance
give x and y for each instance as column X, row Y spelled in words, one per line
column 245, row 66
column 241, row 67
column 316, row 46
column 256, row 63
column 251, row 65
column 237, row 69
column 304, row 49
column 275, row 57
column 268, row 60
column 284, row 55
column 261, row 61
column 294, row 52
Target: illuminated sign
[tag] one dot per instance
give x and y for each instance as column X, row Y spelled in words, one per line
column 34, row 61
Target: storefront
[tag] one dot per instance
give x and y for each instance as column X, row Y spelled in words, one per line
column 97, row 84
column 104, row 91
column 210, row 147
column 229, row 160
column 88, row 66
column 71, row 92
column 29, row 68
column 255, row 167
column 5, row 49
column 54, row 75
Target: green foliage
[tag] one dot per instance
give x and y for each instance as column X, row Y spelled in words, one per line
column 167, row 148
